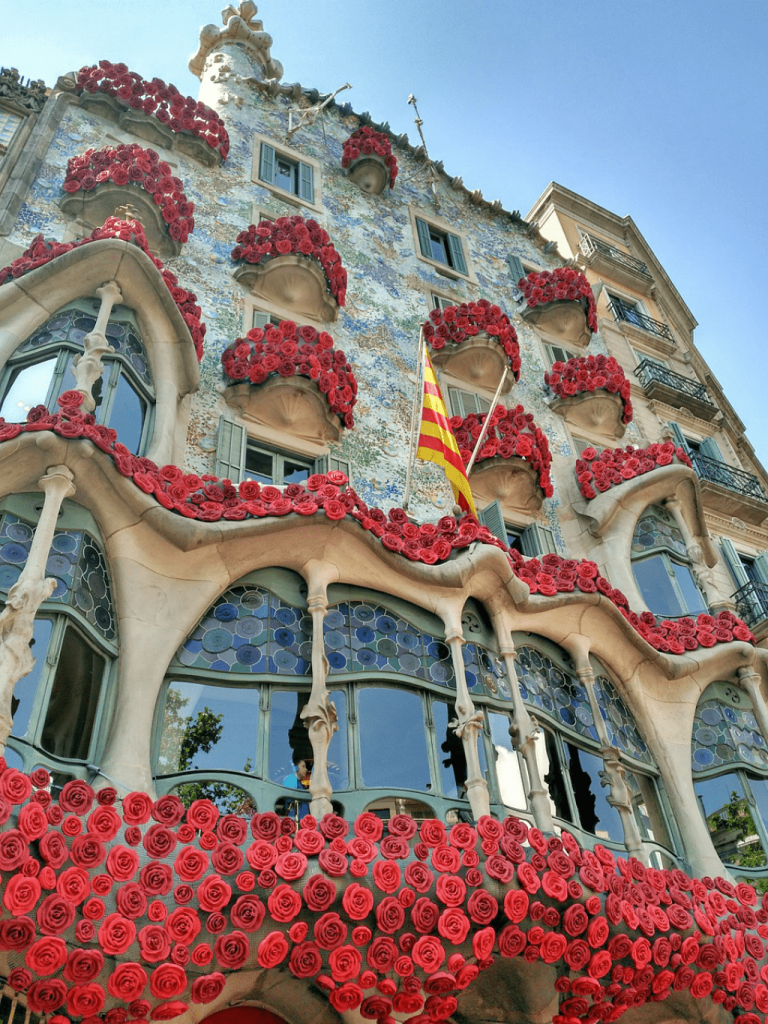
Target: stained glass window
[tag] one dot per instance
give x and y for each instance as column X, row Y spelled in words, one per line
column 554, row 691
column 724, row 735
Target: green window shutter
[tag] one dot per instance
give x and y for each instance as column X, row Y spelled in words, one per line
column 761, row 568
column 537, row 540
column 306, row 183
column 457, row 254
column 709, row 449
column 425, row 242
column 492, row 517
column 732, row 560
column 516, row 268
column 230, row 451
column 678, row 435
column 267, row 164
column 339, row 465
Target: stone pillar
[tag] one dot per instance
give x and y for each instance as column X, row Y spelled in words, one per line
column 703, row 575
column 468, row 724
column 319, row 713
column 751, row 682
column 88, row 366
column 612, row 776
column 17, row 619
column 524, row 731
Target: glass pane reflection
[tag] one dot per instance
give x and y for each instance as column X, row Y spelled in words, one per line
column 127, row 415
column 595, row 813
column 25, row 690
column 208, row 727
column 393, row 742
column 508, row 771
column 453, row 761
column 29, row 387
column 729, row 819
column 656, row 587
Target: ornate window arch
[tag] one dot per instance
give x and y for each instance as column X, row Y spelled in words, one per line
column 662, row 566
column 569, row 748
column 729, row 762
column 41, row 369
column 60, row 708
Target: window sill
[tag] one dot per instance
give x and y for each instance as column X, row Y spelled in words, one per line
column 290, row 198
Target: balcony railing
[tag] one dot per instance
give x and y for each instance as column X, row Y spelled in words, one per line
column 650, row 372
column 632, row 315
column 718, row 472
column 595, row 247
column 752, row 602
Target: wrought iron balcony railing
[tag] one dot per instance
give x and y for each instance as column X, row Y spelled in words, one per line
column 596, row 247
column 632, row 315
column 650, row 372
column 752, row 602
column 737, row 480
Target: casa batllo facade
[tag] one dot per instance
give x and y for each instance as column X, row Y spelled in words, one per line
column 276, row 748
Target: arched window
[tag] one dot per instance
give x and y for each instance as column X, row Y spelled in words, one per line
column 569, row 747
column 729, row 760
column 59, row 706
column 662, row 567
column 41, row 369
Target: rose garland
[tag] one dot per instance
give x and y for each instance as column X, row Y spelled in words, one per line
column 558, row 285
column 366, row 141
column 601, row 471
column 41, row 252
column 156, row 99
column 209, row 499
column 553, row 575
column 267, row 239
column 287, row 350
column 512, row 433
column 134, row 165
column 588, row 374
column 454, row 324
column 396, row 923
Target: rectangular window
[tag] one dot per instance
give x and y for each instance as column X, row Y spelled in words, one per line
column 462, row 403
column 273, row 467
column 283, row 170
column 558, row 354
column 9, row 125
column 440, row 246
column 440, row 301
column 262, row 319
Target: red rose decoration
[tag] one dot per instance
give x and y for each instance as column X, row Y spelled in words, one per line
column 272, row 950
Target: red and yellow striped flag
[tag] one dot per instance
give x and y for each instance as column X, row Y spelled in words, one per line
column 436, row 440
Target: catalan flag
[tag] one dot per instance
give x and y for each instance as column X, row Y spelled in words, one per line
column 436, row 440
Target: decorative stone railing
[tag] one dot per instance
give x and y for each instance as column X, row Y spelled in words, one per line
column 560, row 301
column 591, row 392
column 368, row 160
column 475, row 341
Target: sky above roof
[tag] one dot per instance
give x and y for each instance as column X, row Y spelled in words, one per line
column 653, row 109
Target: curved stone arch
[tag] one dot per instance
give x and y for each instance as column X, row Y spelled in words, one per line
column 29, row 301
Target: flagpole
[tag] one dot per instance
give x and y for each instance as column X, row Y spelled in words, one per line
column 487, row 423
column 416, row 408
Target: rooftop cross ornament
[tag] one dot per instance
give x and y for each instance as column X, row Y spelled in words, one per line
column 434, row 176
column 309, row 115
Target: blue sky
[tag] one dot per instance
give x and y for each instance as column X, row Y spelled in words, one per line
column 653, row 109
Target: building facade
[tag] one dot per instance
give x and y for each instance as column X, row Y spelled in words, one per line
column 277, row 745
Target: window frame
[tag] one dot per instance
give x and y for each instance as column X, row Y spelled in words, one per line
column 308, row 192
column 669, row 560
column 453, row 238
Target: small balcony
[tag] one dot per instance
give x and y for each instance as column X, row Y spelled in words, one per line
column 721, row 482
column 631, row 315
column 752, row 603
column 674, row 389
column 615, row 263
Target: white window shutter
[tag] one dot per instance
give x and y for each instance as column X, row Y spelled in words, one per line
column 230, row 451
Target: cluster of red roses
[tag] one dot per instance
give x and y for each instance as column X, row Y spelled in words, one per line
column 512, row 433
column 286, row 349
column 155, row 98
column 134, row 165
column 396, row 923
column 558, row 285
column 599, row 472
column 590, row 373
column 553, row 575
column 454, row 324
column 42, row 251
column 366, row 141
column 260, row 242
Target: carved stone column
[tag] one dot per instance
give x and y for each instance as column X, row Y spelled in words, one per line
column 524, row 731
column 89, row 367
column 319, row 713
column 703, row 575
column 751, row 681
column 613, row 775
column 17, row 619
column 467, row 725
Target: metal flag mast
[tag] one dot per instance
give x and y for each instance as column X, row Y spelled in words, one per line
column 418, row 399
column 487, row 423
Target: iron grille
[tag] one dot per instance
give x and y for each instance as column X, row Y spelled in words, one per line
column 718, row 472
column 752, row 602
column 632, row 315
column 591, row 246
column 650, row 372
